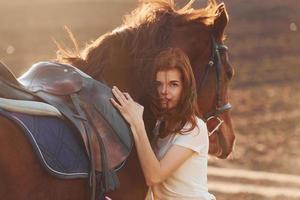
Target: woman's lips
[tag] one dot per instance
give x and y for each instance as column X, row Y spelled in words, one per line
column 164, row 101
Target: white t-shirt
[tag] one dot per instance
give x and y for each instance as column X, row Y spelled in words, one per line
column 189, row 181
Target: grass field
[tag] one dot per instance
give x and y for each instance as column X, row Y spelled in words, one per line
column 263, row 37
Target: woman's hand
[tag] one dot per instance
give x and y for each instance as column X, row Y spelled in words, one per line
column 130, row 110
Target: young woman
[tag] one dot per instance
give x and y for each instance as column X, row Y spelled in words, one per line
column 175, row 166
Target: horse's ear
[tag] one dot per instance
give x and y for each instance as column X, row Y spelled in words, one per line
column 220, row 22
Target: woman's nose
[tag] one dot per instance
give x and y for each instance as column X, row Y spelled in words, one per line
column 164, row 89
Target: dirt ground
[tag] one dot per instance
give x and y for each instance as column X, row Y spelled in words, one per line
column 263, row 39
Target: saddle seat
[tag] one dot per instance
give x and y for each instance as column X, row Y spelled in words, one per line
column 51, row 78
column 42, row 76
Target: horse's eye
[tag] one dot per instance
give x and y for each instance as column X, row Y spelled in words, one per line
column 228, row 68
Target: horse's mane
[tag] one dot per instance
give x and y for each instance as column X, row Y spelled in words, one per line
column 143, row 34
column 147, row 12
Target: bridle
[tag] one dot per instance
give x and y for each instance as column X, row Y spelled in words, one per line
column 215, row 64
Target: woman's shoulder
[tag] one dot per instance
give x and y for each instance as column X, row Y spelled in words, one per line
column 200, row 127
column 200, row 123
column 195, row 139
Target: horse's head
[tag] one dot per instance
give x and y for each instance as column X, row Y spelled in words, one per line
column 201, row 37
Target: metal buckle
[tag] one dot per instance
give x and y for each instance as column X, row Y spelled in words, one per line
column 217, row 127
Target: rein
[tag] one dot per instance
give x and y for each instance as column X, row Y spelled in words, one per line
column 215, row 64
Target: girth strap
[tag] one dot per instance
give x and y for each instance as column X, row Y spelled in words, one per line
column 89, row 135
column 109, row 179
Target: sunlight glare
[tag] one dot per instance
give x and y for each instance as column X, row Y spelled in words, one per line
column 293, row 27
column 10, row 49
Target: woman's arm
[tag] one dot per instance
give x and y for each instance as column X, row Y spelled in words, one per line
column 155, row 171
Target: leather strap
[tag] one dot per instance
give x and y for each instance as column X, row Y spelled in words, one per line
column 215, row 63
column 88, row 133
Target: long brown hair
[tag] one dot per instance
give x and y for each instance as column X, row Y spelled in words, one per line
column 173, row 120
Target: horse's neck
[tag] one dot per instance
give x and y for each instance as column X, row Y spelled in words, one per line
column 114, row 58
column 120, row 71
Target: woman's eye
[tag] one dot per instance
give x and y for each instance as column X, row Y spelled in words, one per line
column 174, row 84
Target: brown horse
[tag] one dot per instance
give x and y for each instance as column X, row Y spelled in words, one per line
column 124, row 58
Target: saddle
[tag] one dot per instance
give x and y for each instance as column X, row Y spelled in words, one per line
column 10, row 86
column 85, row 103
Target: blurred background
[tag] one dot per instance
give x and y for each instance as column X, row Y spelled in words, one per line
column 264, row 45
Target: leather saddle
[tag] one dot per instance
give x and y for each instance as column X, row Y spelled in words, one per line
column 52, row 78
column 85, row 103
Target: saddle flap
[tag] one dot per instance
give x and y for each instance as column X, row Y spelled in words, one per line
column 108, row 123
column 53, row 78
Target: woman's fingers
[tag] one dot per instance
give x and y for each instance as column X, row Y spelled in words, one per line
column 119, row 95
column 128, row 97
column 115, row 104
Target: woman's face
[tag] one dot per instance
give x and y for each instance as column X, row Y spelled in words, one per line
column 169, row 87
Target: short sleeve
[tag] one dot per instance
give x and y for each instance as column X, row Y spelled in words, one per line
column 196, row 139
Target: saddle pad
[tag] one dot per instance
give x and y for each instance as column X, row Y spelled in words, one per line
column 29, row 107
column 55, row 143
